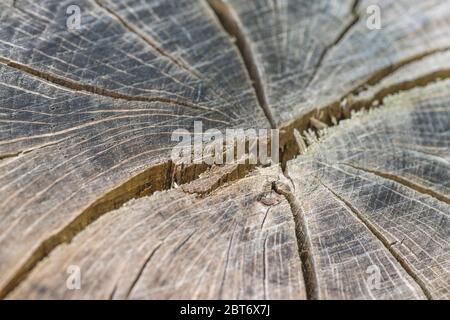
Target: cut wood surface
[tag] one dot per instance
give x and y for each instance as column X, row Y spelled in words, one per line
column 309, row 54
column 352, row 206
column 234, row 244
column 84, row 112
column 86, row 118
column 375, row 191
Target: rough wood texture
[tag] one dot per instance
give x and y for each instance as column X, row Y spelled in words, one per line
column 375, row 191
column 235, row 244
column 309, row 54
column 353, row 207
column 86, row 118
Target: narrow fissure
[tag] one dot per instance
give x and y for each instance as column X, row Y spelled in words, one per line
column 156, row 178
column 154, row 45
column 303, row 240
column 144, row 183
column 353, row 21
column 403, row 181
column 134, row 30
column 405, row 265
column 215, row 177
column 330, row 115
column 141, row 270
column 77, row 86
column 22, row 152
column 384, row 72
column 230, row 23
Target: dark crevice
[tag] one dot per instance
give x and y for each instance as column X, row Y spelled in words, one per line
column 386, row 243
column 231, row 24
column 357, row 104
column 183, row 243
column 77, row 86
column 135, row 30
column 216, row 177
column 163, row 176
column 156, row 178
column 384, row 72
column 144, row 185
column 154, row 45
column 11, row 155
column 354, row 20
column 265, row 217
column 141, row 270
column 113, row 292
column 303, row 240
column 337, row 111
column 22, row 152
column 403, row 181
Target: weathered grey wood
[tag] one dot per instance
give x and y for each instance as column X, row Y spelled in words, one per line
column 85, row 123
column 238, row 242
column 87, row 117
column 416, row 73
column 189, row 33
column 375, row 191
column 309, row 54
column 356, row 212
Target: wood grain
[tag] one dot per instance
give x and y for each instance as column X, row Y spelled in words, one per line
column 374, row 191
column 86, row 117
column 236, row 243
column 309, row 54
